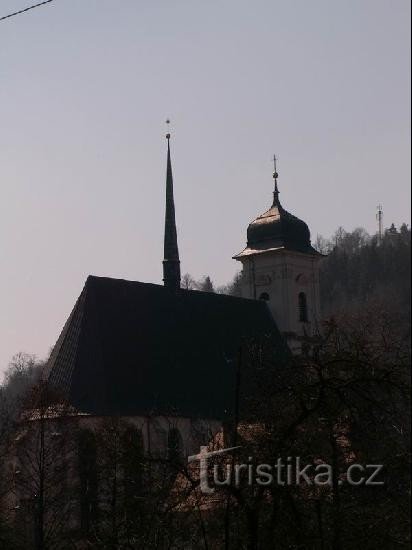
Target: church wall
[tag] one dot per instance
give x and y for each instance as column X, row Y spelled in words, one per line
column 61, row 435
column 155, row 429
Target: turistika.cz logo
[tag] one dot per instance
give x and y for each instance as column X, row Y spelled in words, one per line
column 214, row 473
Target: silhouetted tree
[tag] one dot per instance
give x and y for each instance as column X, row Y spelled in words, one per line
column 345, row 401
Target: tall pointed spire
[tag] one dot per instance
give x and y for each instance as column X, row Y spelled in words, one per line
column 171, row 262
column 276, row 190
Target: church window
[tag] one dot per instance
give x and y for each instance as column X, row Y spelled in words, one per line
column 87, row 463
column 174, row 446
column 133, row 465
column 303, row 308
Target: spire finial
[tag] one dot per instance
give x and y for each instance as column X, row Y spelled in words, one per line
column 171, row 263
column 168, row 131
column 275, row 177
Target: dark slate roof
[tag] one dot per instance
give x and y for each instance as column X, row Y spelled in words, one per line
column 277, row 228
column 133, row 348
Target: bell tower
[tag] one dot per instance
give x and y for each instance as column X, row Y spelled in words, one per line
column 280, row 265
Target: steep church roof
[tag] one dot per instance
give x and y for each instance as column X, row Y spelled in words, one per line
column 131, row 348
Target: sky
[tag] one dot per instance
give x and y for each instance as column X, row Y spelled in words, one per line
column 86, row 87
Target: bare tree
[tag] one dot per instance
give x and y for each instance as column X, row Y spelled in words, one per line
column 40, row 500
column 188, row 283
column 344, row 401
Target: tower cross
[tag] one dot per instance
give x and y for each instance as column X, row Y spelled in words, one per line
column 275, row 177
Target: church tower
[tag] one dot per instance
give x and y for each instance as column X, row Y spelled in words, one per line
column 280, row 265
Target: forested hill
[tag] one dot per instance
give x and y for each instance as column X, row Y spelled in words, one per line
column 359, row 269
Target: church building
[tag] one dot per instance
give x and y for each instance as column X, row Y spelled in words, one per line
column 146, row 351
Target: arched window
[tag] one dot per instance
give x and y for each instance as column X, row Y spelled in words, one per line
column 264, row 296
column 174, row 446
column 133, row 464
column 87, row 463
column 303, row 308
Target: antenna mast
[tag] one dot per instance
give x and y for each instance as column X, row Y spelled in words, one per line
column 379, row 217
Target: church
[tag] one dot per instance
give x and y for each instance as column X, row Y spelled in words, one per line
column 163, row 355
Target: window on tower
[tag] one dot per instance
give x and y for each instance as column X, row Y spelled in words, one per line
column 303, row 307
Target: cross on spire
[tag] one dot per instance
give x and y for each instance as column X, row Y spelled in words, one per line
column 274, row 164
column 275, row 177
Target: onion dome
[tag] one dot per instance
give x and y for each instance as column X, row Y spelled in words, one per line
column 277, row 228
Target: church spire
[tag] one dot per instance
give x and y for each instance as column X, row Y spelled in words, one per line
column 276, row 190
column 171, row 262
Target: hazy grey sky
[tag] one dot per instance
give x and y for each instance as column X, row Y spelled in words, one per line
column 85, row 87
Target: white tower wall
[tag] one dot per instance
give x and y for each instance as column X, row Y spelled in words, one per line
column 282, row 276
